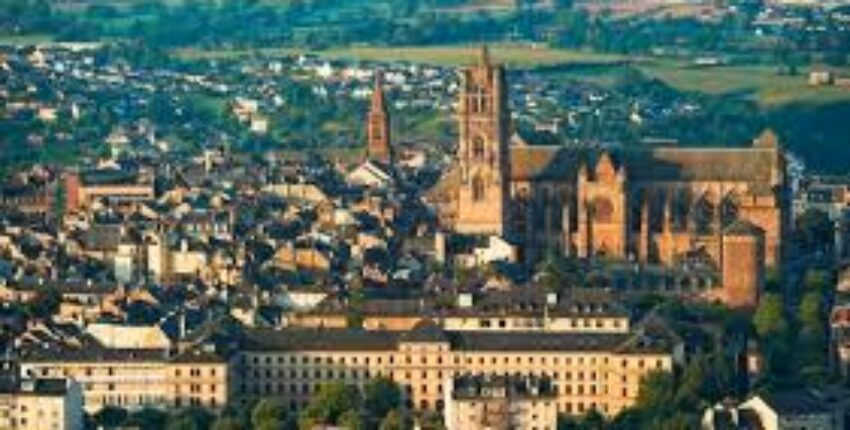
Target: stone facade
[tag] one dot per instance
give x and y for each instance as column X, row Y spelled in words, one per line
column 652, row 205
column 588, row 370
column 484, row 162
column 378, row 126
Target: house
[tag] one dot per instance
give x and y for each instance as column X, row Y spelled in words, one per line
column 371, row 174
column 492, row 402
column 37, row 404
column 792, row 410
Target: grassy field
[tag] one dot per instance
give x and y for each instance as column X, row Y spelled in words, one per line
column 233, row 54
column 514, row 55
column 763, row 83
column 28, row 39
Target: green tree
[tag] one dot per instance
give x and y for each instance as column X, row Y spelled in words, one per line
column 147, row 419
column 657, row 391
column 331, row 401
column 813, row 336
column 592, row 420
column 110, row 416
column 395, row 420
column 692, row 381
column 352, row 420
column 181, row 422
column 190, row 419
column 380, row 395
column 268, row 413
column 811, row 312
column 817, row 280
column 228, row 423
column 813, row 231
column 769, row 318
column 430, row 420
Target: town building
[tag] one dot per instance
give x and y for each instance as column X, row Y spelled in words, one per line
column 524, row 309
column 378, row 126
column 40, row 404
column 500, row 403
column 599, row 371
column 790, row 410
column 193, row 374
column 650, row 205
column 117, row 184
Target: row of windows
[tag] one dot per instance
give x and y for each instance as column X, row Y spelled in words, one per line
column 425, row 374
column 573, row 323
column 195, row 372
column 306, row 374
column 482, row 360
column 195, row 401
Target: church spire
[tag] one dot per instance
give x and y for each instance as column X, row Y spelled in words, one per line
column 484, row 56
column 378, row 124
column 378, row 93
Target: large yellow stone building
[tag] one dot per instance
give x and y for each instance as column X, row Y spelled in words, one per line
column 585, row 344
column 600, row 371
column 135, row 378
column 40, row 404
column 653, row 205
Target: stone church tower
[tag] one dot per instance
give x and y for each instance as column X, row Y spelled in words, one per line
column 378, row 125
column 482, row 153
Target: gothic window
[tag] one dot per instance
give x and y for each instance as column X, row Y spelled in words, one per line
column 477, row 188
column 729, row 209
column 480, row 100
column 603, row 210
column 703, row 214
column 478, row 148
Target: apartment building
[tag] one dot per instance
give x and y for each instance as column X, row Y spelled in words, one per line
column 600, row 371
column 40, row 404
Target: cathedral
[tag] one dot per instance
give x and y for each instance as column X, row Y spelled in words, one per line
column 658, row 205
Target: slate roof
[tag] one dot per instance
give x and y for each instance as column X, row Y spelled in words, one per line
column 673, row 164
column 89, row 353
column 297, row 339
column 794, row 403
column 558, row 163
column 109, row 177
column 332, row 339
column 425, row 331
column 51, row 387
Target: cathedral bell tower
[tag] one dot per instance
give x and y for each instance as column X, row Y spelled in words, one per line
column 482, row 152
column 378, row 125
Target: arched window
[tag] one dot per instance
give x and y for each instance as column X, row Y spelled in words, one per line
column 729, row 208
column 477, row 188
column 703, row 213
column 603, row 210
column 478, row 148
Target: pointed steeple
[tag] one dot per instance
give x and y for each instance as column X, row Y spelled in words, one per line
column 378, row 93
column 484, row 56
column 378, row 124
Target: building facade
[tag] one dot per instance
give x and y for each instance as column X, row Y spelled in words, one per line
column 651, row 205
column 40, row 404
column 500, row 403
column 588, row 371
column 135, row 378
column 378, row 126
